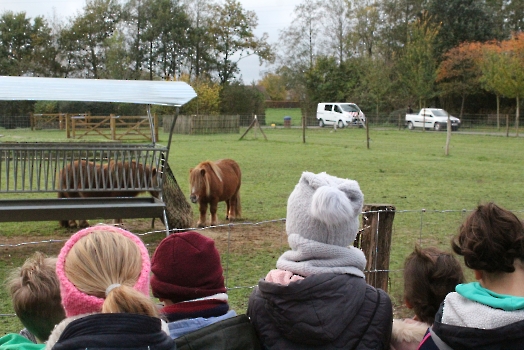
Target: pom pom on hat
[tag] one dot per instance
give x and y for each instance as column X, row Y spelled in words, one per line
column 186, row 266
column 76, row 302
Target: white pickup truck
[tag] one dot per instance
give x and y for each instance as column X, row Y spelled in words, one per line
column 431, row 118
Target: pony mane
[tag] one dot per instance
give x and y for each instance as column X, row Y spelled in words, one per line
column 208, row 166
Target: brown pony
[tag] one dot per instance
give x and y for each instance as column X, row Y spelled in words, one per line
column 83, row 179
column 213, row 182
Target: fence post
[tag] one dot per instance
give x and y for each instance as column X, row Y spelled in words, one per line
column 375, row 242
column 155, row 121
column 112, row 126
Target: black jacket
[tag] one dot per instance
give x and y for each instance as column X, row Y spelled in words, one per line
column 324, row 311
column 510, row 337
column 235, row 333
column 115, row 331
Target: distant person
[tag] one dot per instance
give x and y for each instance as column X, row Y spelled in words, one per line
column 429, row 275
column 317, row 298
column 104, row 282
column 488, row 314
column 35, row 294
column 410, row 110
column 187, row 277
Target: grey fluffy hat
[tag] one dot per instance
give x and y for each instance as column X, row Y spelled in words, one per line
column 325, row 209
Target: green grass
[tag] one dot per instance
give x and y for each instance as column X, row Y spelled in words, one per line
column 406, row 169
column 276, row 116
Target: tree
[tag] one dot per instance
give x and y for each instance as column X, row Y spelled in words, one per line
column 234, row 40
column 459, row 72
column 336, row 25
column 201, row 61
column 25, row 47
column 84, row 43
column 396, row 16
column 274, row 86
column 166, row 36
column 460, row 21
column 367, row 19
column 207, row 101
column 417, row 66
column 512, row 69
column 491, row 79
column 375, row 80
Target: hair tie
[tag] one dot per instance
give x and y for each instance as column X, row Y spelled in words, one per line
column 111, row 287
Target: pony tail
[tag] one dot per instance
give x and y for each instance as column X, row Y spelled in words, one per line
column 238, row 207
column 125, row 299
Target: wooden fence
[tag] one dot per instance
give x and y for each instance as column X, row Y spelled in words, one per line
column 203, row 124
column 116, row 128
column 41, row 121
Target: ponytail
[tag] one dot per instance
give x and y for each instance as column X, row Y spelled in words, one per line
column 125, row 299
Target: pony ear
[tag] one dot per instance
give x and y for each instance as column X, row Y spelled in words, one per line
column 191, row 170
column 203, row 172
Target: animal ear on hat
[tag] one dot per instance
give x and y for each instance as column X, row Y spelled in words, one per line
column 356, row 198
column 330, row 205
column 313, row 180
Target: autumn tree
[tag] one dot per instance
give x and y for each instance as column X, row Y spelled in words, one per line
column 274, row 86
column 491, row 78
column 512, row 67
column 459, row 72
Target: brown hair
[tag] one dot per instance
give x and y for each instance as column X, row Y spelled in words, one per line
column 490, row 239
column 429, row 275
column 105, row 258
column 35, row 293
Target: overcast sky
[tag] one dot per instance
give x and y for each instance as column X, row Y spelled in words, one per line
column 273, row 16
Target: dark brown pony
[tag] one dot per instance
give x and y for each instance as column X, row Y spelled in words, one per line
column 213, row 182
column 83, row 179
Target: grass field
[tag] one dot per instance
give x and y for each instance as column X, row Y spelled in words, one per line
column 431, row 192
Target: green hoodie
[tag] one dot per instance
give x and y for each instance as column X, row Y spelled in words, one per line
column 13, row 341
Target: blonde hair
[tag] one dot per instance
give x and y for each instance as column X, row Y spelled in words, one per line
column 35, row 294
column 104, row 258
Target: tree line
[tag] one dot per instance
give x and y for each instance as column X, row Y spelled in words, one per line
column 381, row 54
column 387, row 54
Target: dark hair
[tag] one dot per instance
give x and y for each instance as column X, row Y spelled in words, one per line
column 429, row 275
column 490, row 239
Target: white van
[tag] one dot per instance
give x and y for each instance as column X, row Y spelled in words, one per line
column 340, row 114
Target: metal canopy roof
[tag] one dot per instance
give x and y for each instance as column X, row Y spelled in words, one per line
column 170, row 93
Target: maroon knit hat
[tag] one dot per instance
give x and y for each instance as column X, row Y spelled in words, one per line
column 186, row 266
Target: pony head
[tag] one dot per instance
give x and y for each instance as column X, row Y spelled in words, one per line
column 199, row 180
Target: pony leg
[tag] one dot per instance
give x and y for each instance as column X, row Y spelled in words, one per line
column 213, row 209
column 202, row 220
column 229, row 213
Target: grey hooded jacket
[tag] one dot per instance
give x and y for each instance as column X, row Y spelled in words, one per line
column 323, row 311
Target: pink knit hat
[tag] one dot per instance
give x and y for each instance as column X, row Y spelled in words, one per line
column 76, row 302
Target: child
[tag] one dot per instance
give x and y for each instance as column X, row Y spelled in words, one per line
column 104, row 284
column 429, row 275
column 187, row 277
column 488, row 314
column 35, row 294
column 317, row 298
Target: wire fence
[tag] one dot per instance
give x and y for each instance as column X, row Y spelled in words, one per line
column 249, row 250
